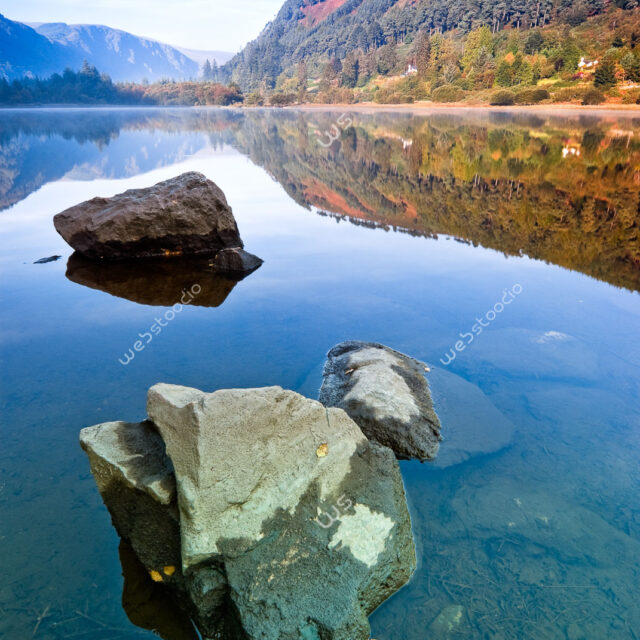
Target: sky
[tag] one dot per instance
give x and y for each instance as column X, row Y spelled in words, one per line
column 214, row 25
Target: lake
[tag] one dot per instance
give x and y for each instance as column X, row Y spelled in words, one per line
column 400, row 228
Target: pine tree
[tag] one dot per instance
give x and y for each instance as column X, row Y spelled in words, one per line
column 422, row 53
column 207, row 71
column 302, row 75
column 504, row 74
column 605, row 75
column 350, row 70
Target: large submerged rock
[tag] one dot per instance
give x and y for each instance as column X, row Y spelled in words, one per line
column 185, row 215
column 386, row 394
column 266, row 514
column 471, row 423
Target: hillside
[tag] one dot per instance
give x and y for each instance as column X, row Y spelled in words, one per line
column 316, row 31
column 23, row 51
column 50, row 48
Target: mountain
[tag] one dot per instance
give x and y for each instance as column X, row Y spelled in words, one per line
column 221, row 57
column 317, row 30
column 48, row 48
column 120, row 54
column 24, row 51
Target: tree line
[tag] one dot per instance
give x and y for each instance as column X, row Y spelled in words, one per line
column 89, row 86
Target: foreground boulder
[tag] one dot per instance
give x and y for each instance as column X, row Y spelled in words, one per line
column 186, row 215
column 385, row 392
column 287, row 522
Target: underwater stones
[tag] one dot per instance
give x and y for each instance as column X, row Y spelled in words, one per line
column 471, row 424
column 185, row 215
column 447, row 624
column 386, row 394
column 236, row 262
column 263, row 537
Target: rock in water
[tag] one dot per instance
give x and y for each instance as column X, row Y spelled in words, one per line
column 135, row 478
column 386, row 394
column 291, row 523
column 236, row 261
column 185, row 215
column 471, row 423
column 47, row 260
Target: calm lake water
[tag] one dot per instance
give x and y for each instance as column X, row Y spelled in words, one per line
column 403, row 230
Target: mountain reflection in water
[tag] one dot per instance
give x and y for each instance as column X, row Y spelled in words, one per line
column 529, row 525
column 564, row 189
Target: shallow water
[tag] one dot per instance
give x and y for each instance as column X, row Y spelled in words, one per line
column 537, row 539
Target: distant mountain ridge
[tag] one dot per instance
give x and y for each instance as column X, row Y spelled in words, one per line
column 46, row 48
column 221, row 57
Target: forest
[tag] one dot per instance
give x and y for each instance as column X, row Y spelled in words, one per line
column 89, row 86
column 583, row 59
column 397, row 53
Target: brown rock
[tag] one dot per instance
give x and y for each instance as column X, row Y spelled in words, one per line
column 236, row 261
column 185, row 215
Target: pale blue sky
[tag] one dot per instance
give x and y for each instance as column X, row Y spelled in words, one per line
column 224, row 25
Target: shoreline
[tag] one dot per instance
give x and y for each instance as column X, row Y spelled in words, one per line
column 456, row 106
column 360, row 107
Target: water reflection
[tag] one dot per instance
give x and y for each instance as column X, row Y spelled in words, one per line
column 148, row 605
column 154, row 282
column 565, row 189
column 539, row 540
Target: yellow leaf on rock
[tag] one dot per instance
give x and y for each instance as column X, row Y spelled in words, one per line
column 155, row 576
column 169, row 571
column 322, row 450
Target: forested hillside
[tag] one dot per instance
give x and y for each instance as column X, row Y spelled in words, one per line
column 356, row 40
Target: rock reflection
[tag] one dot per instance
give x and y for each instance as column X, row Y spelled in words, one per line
column 149, row 605
column 155, row 282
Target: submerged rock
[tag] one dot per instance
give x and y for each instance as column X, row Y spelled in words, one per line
column 386, row 394
column 447, row 624
column 47, row 260
column 185, row 215
column 236, row 261
column 286, row 521
column 471, row 423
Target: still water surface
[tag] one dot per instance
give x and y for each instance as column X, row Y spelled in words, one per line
column 403, row 231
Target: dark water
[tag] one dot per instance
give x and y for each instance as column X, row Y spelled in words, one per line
column 540, row 539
